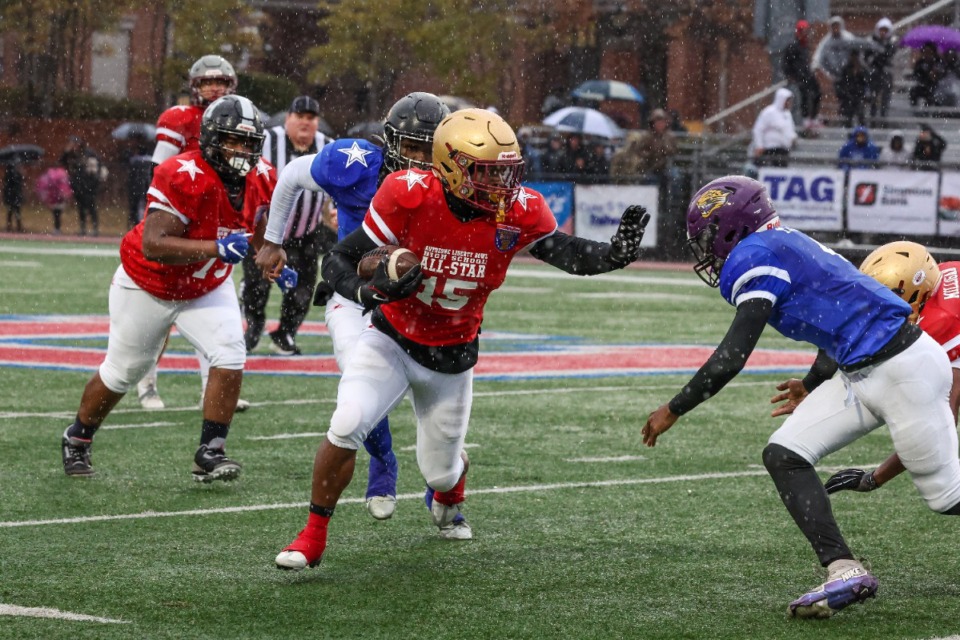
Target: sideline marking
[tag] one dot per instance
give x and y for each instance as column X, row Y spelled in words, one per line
column 406, row 496
column 40, row 612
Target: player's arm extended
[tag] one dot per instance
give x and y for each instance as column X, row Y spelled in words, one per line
column 163, row 240
column 728, row 359
column 583, row 257
column 293, row 180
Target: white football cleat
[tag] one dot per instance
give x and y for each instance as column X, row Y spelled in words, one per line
column 291, row 561
column 148, row 396
column 452, row 523
column 382, row 507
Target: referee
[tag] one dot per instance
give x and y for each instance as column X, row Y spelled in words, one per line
column 307, row 236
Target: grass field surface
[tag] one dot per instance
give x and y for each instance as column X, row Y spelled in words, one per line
column 579, row 530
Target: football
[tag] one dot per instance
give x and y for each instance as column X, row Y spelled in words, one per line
column 399, row 261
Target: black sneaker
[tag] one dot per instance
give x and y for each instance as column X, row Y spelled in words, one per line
column 76, row 456
column 213, row 464
column 283, row 344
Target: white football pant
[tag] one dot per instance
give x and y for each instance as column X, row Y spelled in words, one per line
column 910, row 393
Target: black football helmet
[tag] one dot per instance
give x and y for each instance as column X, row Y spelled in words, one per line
column 231, row 118
column 413, row 117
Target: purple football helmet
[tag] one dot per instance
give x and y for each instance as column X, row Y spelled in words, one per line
column 720, row 215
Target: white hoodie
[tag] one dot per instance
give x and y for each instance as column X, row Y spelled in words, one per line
column 774, row 128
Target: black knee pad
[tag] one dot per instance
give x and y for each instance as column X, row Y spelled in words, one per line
column 778, row 457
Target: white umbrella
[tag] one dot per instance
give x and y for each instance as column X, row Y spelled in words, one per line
column 585, row 121
column 607, row 90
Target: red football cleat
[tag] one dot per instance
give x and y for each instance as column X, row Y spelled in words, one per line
column 305, row 551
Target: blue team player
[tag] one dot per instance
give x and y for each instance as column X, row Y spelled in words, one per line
column 892, row 372
column 350, row 170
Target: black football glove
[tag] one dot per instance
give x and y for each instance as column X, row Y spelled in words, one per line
column 850, row 480
column 381, row 288
column 625, row 243
column 322, row 294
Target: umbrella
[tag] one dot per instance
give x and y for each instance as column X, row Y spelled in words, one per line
column 129, row 130
column 944, row 37
column 372, row 131
column 456, row 103
column 584, row 120
column 607, row 90
column 20, row 153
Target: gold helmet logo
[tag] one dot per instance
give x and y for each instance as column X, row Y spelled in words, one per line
column 712, row 200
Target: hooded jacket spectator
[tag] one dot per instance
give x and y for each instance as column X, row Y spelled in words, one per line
column 928, row 148
column 859, row 152
column 896, row 152
column 879, row 60
column 774, row 132
column 833, row 52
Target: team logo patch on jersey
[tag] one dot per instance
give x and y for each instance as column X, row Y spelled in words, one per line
column 712, row 200
column 506, row 237
column 865, row 193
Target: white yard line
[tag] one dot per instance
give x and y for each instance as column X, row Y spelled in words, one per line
column 37, row 612
column 559, row 486
column 69, row 415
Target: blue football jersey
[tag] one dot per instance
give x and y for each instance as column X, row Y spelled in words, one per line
column 347, row 170
column 817, row 295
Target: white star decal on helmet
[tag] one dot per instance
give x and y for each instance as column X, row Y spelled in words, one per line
column 412, row 178
column 189, row 166
column 523, row 196
column 355, row 154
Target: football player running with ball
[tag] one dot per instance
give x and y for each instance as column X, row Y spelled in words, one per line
column 890, row 371
column 466, row 220
column 933, row 292
column 175, row 271
column 350, row 170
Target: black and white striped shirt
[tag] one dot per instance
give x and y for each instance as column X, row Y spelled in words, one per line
column 306, row 214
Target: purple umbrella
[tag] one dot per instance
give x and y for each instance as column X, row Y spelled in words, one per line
column 944, row 37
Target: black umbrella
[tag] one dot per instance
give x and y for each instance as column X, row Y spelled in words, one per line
column 20, row 153
column 129, row 130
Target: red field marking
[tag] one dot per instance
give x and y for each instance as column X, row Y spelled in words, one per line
column 16, row 349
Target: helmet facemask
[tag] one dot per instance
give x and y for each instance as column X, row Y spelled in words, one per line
column 398, row 146
column 409, row 127
column 231, row 136
column 236, row 154
column 489, row 185
column 706, row 264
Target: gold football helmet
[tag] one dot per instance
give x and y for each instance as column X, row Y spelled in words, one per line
column 907, row 268
column 477, row 155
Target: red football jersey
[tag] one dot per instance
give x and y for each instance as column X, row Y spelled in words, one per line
column 462, row 262
column 940, row 317
column 190, row 189
column 180, row 126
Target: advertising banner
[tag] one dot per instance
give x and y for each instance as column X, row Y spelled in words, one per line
column 559, row 197
column 948, row 209
column 889, row 201
column 807, row 198
column 599, row 207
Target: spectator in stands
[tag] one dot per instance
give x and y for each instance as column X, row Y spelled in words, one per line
column 139, row 174
column 532, row 156
column 896, row 153
column 947, row 91
column 676, row 122
column 879, row 60
column 13, row 183
column 554, row 160
column 648, row 152
column 859, row 152
column 576, row 154
column 928, row 149
column 597, row 162
column 86, row 173
column 851, row 89
column 774, row 133
column 795, row 65
column 927, row 72
column 53, row 189
column 833, row 52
